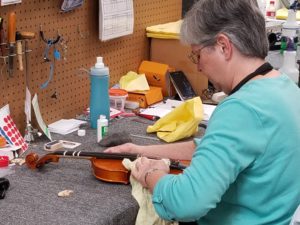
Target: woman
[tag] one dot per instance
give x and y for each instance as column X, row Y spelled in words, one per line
column 243, row 169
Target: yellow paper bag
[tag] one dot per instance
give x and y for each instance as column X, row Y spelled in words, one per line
column 134, row 82
column 182, row 122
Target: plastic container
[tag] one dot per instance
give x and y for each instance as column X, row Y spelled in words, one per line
column 4, row 161
column 102, row 127
column 2, row 141
column 289, row 65
column 117, row 98
column 99, row 98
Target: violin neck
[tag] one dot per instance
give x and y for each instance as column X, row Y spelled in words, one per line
column 99, row 155
column 103, row 155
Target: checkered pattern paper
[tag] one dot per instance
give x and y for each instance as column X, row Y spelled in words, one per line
column 9, row 130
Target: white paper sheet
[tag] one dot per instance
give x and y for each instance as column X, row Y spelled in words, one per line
column 9, row 2
column 208, row 111
column 38, row 115
column 163, row 108
column 65, row 126
column 116, row 18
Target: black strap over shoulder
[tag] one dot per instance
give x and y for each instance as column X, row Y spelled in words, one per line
column 262, row 70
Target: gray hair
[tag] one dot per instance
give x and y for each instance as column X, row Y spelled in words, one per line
column 240, row 20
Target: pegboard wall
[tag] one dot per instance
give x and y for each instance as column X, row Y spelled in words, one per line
column 68, row 92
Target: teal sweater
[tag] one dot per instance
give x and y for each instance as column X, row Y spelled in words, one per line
column 246, row 168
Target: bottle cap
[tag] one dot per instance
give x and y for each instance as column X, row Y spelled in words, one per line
column 99, row 63
column 81, row 132
column 102, row 117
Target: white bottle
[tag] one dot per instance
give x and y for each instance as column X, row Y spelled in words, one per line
column 290, row 27
column 271, row 10
column 102, row 127
column 289, row 65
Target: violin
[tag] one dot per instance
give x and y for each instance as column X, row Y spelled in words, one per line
column 106, row 167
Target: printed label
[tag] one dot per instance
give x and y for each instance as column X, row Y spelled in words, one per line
column 104, row 130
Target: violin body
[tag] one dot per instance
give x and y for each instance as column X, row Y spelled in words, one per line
column 106, row 167
column 110, row 170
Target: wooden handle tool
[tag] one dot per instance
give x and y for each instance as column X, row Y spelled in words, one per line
column 12, row 41
column 11, row 27
column 19, row 50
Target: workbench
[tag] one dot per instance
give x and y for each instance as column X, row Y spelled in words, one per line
column 33, row 194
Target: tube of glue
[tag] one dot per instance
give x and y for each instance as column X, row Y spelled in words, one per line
column 149, row 117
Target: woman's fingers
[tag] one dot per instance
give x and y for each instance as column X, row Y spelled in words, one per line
column 127, row 148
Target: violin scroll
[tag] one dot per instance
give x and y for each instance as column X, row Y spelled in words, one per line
column 32, row 160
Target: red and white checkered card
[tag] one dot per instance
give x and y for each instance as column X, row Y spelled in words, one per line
column 9, row 130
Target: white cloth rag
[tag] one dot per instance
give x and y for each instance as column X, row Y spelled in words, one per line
column 146, row 214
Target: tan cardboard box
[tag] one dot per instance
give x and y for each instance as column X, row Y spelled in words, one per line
column 173, row 53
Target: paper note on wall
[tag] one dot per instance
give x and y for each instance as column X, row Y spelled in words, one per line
column 9, row 2
column 116, row 18
column 38, row 115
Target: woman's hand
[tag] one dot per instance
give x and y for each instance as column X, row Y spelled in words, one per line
column 124, row 148
column 144, row 168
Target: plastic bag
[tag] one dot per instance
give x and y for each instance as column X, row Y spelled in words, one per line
column 68, row 5
column 180, row 123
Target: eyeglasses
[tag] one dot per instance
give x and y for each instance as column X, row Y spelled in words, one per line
column 195, row 56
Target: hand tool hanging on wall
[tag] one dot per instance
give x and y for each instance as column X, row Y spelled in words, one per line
column 25, row 36
column 64, row 47
column 30, row 132
column 2, row 44
column 19, row 50
column 12, row 41
column 56, row 55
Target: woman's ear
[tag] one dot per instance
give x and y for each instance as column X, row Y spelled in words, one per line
column 225, row 46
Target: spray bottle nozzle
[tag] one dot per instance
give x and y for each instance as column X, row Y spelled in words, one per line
column 99, row 63
column 295, row 5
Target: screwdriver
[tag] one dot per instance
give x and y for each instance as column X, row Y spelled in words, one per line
column 12, row 41
column 2, row 47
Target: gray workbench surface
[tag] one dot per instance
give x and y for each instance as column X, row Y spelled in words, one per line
column 32, row 196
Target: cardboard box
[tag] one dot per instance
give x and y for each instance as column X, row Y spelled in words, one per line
column 157, row 75
column 146, row 98
column 175, row 54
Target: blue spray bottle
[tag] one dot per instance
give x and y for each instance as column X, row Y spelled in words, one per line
column 99, row 99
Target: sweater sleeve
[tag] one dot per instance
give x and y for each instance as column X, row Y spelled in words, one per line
column 232, row 142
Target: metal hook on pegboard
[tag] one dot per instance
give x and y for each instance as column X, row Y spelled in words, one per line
column 81, row 34
column 53, row 41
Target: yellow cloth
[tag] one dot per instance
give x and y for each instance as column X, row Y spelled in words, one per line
column 165, row 30
column 134, row 82
column 282, row 14
column 162, row 36
column 181, row 122
column 146, row 214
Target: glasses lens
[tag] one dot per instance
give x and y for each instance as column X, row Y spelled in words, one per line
column 194, row 57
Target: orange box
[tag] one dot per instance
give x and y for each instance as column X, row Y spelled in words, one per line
column 146, row 98
column 157, row 74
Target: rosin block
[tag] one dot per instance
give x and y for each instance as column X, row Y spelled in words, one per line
column 157, row 75
column 146, row 98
